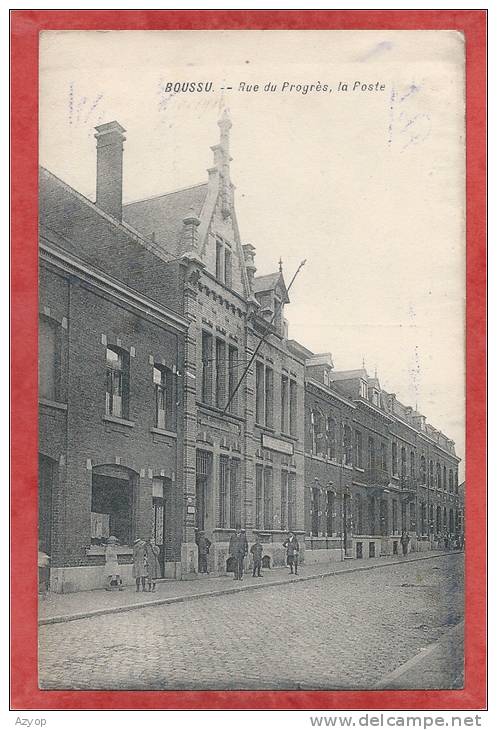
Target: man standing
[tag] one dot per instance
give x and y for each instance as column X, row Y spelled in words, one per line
column 238, row 549
column 292, row 552
column 203, row 544
column 256, row 551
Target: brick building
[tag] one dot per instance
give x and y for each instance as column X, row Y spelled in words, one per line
column 374, row 468
column 110, row 383
column 244, row 450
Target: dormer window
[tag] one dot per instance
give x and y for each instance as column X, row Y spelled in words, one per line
column 375, row 397
column 364, row 389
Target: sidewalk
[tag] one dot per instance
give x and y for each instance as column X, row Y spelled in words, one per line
column 437, row 666
column 57, row 607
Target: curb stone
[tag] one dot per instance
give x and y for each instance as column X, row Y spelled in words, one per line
column 227, row 591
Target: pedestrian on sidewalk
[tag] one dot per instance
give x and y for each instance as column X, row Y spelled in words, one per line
column 256, row 551
column 292, row 552
column 404, row 541
column 238, row 549
column 140, row 563
column 203, row 544
column 153, row 566
column 112, row 571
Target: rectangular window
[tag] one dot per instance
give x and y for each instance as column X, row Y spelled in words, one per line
column 233, row 377
column 268, row 499
column 48, row 358
column 160, row 396
column 269, row 397
column 219, row 260
column 293, row 407
column 227, row 267
column 358, row 449
column 371, row 453
column 284, row 500
column 220, row 374
column 395, row 516
column 284, row 404
column 234, row 492
column 384, row 456
column 394, row 458
column 347, row 445
column 292, row 501
column 259, row 488
column 117, row 382
column 222, row 507
column 259, row 392
column 206, row 367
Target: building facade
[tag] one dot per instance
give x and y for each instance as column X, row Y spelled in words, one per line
column 244, row 384
column 374, row 469
column 111, row 353
column 172, row 401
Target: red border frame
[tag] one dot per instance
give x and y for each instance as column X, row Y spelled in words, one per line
column 25, row 26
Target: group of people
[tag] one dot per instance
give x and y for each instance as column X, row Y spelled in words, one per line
column 238, row 549
column 146, row 567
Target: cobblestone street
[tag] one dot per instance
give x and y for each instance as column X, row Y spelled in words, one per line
column 340, row 632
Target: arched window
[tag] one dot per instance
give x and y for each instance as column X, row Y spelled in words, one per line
column 445, row 478
column 439, row 476
column 431, row 474
column 451, row 480
column 331, row 434
column 403, row 461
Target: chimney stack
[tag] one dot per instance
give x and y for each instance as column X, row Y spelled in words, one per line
column 110, row 138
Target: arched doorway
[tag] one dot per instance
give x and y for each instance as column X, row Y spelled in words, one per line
column 112, row 503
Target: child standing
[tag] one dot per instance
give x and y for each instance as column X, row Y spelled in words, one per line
column 256, row 551
column 112, row 572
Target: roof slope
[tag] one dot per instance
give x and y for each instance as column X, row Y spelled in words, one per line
column 163, row 215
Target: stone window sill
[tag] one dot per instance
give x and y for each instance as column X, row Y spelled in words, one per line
column 120, row 421
column 52, row 404
column 164, row 432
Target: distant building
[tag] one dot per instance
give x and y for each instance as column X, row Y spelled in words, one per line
column 373, row 469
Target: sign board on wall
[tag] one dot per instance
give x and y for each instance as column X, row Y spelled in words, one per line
column 275, row 444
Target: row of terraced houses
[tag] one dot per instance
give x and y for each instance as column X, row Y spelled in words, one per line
column 171, row 398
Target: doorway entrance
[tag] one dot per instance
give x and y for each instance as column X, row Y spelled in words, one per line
column 204, row 470
column 161, row 500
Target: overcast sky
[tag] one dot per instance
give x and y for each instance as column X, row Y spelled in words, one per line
column 368, row 186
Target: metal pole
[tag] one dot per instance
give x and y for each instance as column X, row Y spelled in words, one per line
column 276, row 311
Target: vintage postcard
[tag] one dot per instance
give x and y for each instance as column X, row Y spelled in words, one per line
column 251, row 327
